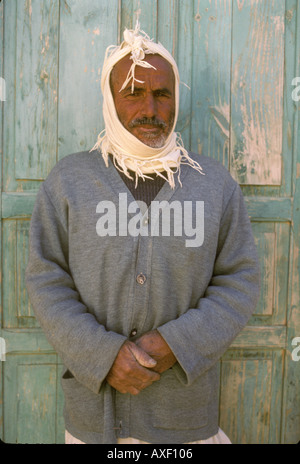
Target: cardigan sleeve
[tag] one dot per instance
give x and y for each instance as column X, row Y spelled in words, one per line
column 199, row 337
column 86, row 348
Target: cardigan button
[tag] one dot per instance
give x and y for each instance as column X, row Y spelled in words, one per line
column 141, row 279
column 133, row 333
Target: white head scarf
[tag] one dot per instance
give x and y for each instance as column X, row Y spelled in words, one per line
column 129, row 152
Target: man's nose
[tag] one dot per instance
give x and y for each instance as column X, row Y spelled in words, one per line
column 149, row 106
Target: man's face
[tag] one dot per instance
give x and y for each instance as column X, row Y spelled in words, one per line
column 147, row 113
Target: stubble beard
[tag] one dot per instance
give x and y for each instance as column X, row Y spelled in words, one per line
column 154, row 141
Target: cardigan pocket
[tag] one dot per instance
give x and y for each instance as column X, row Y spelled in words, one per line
column 182, row 408
column 83, row 408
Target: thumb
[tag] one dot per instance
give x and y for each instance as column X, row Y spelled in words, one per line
column 141, row 356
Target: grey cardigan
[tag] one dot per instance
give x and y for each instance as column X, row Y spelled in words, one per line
column 88, row 298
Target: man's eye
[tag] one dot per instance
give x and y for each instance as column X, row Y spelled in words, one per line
column 162, row 94
column 133, row 94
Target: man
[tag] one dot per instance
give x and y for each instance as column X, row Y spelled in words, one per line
column 141, row 307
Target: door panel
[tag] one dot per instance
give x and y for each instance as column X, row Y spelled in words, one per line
column 17, row 311
column 251, row 395
column 273, row 242
column 33, row 399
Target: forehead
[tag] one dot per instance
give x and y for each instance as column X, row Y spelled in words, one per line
column 162, row 74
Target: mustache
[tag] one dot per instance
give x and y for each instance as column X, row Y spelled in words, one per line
column 148, row 121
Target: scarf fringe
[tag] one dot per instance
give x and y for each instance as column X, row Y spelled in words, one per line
column 124, row 163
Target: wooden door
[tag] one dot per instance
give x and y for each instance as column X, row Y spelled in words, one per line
column 240, row 59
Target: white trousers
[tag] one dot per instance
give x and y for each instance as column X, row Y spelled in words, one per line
column 219, row 439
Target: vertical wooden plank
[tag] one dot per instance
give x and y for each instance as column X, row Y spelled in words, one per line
column 9, row 61
column 184, row 54
column 147, row 14
column 36, row 87
column 167, row 23
column 291, row 409
column 86, row 29
column 257, row 91
column 275, row 412
column 175, row 32
column 289, row 107
column 127, row 17
column 1, row 159
column 143, row 10
column 10, row 110
column 211, row 78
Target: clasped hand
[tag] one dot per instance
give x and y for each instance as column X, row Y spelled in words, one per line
column 139, row 364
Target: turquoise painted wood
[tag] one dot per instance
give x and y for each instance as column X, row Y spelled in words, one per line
column 237, row 60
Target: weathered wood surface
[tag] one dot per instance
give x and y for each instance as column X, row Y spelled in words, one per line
column 239, row 58
column 257, row 91
column 37, row 26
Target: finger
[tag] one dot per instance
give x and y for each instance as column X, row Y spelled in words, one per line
column 133, row 391
column 142, row 357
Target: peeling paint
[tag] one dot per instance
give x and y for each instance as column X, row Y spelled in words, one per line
column 28, row 7
column 279, row 24
column 290, row 14
column 67, row 7
column 240, row 4
column 258, row 82
column 257, row 150
column 221, row 115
